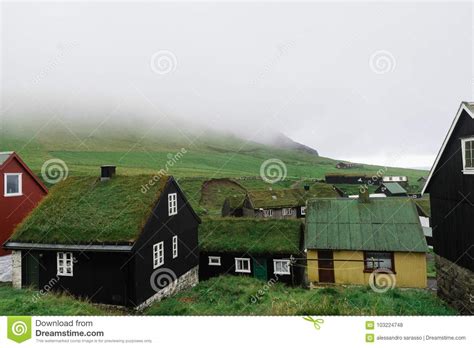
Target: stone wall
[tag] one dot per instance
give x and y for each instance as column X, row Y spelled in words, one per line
column 455, row 285
column 16, row 269
column 187, row 280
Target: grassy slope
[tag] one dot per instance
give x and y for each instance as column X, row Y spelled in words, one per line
column 28, row 302
column 214, row 156
column 231, row 295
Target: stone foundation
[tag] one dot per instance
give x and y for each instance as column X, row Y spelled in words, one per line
column 187, row 280
column 455, row 285
column 16, row 269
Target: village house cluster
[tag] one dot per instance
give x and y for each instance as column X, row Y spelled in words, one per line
column 107, row 239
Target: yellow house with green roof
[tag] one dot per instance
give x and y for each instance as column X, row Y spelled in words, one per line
column 365, row 241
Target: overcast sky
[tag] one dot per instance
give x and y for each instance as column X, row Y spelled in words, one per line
column 368, row 82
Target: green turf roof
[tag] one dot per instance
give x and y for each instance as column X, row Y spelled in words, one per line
column 289, row 197
column 86, row 210
column 394, row 187
column 250, row 235
column 384, row 224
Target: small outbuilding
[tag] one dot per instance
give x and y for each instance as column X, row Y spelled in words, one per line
column 264, row 249
column 347, row 240
column 282, row 204
column 120, row 240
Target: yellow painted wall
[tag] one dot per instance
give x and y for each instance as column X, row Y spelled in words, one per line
column 410, row 268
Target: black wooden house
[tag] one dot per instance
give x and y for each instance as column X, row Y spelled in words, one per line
column 450, row 185
column 121, row 240
column 270, row 250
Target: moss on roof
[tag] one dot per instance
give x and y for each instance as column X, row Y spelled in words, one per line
column 86, row 210
column 289, row 197
column 384, row 224
column 250, row 235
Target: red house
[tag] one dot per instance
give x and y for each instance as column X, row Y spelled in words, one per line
column 21, row 191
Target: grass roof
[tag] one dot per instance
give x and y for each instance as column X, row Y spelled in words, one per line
column 384, row 224
column 250, row 235
column 86, row 210
column 289, row 197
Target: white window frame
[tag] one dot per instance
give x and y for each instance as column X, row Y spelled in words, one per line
column 20, row 185
column 267, row 212
column 172, row 204
column 62, row 269
column 276, row 261
column 239, row 269
column 158, row 254
column 175, row 247
column 214, row 261
column 287, row 211
column 303, row 210
column 466, row 170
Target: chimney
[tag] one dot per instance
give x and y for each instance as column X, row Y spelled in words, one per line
column 364, row 195
column 306, row 187
column 106, row 172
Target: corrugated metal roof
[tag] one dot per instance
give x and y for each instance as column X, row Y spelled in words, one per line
column 394, row 187
column 4, row 156
column 384, row 224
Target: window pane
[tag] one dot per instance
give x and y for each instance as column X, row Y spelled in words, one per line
column 13, row 184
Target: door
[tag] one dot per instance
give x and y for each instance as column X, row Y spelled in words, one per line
column 260, row 268
column 32, row 270
column 326, row 266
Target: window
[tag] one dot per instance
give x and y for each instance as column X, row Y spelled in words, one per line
column 468, row 154
column 13, row 185
column 281, row 266
column 242, row 265
column 303, row 210
column 377, row 260
column 172, row 204
column 267, row 213
column 287, row 211
column 64, row 264
column 158, row 255
column 175, row 247
column 214, row 260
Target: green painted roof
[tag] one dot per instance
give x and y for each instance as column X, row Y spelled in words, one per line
column 86, row 210
column 384, row 224
column 394, row 187
column 289, row 197
column 4, row 156
column 250, row 235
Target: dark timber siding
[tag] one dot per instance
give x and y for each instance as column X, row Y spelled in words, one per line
column 98, row 276
column 452, row 199
column 159, row 228
column 227, row 266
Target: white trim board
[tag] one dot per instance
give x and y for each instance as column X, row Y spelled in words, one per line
column 462, row 107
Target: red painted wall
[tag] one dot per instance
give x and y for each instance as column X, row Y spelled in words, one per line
column 14, row 209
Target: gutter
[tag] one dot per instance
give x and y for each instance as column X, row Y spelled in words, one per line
column 70, row 247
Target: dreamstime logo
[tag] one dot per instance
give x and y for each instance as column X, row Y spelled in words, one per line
column 162, row 278
column 163, row 62
column 273, row 170
column 54, row 171
column 382, row 280
column 382, row 62
column 19, row 329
